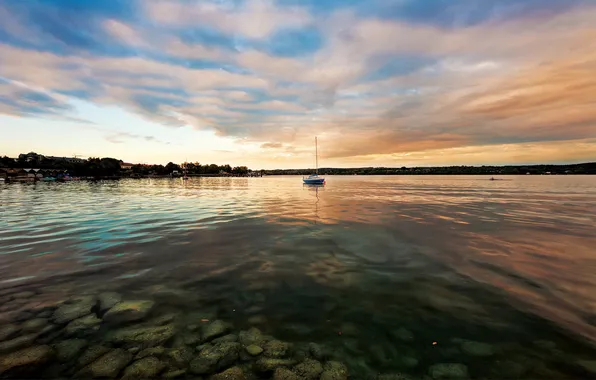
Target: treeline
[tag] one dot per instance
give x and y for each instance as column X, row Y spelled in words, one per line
column 93, row 167
column 111, row 167
column 585, row 168
column 190, row 168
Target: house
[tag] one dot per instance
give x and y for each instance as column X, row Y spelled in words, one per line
column 72, row 160
column 126, row 165
column 31, row 157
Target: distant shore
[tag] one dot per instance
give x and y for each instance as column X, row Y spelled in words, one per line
column 584, row 168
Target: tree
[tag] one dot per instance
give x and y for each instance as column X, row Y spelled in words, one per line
column 213, row 169
column 170, row 167
column 241, row 170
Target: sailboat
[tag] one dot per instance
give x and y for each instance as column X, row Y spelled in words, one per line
column 314, row 179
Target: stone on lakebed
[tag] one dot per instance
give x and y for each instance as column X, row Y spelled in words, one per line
column 145, row 368
column 108, row 365
column 215, row 329
column 107, row 300
column 67, row 350
column 74, row 308
column 28, row 357
column 128, row 311
column 86, row 324
column 477, row 348
column 234, row 373
column 143, row 337
column 254, row 350
column 215, row 358
column 442, row 371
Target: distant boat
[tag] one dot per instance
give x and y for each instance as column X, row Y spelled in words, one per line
column 314, row 179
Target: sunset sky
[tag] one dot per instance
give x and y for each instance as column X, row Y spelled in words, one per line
column 251, row 82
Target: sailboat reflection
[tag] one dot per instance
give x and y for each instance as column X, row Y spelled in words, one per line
column 315, row 188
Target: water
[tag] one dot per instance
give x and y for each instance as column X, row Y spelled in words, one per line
column 382, row 270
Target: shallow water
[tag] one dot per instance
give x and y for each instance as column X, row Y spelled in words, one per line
column 352, row 265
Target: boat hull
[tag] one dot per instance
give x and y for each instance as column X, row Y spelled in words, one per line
column 314, row 181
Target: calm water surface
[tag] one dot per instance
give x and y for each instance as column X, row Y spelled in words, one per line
column 381, row 269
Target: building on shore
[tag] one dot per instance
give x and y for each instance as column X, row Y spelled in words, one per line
column 72, row 160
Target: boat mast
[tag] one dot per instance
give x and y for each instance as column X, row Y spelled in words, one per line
column 317, row 157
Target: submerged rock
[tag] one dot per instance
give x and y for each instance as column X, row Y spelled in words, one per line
column 588, row 365
column 191, row 339
column 180, row 357
column 285, row 374
column 508, row 369
column 23, row 294
column 448, row 371
column 215, row 329
column 8, row 331
column 545, row 344
column 234, row 373
column 409, row 362
column 107, row 300
column 394, row 376
column 145, row 368
column 276, row 349
column 17, row 343
column 153, row 351
column 86, row 324
column 128, row 311
column 69, row 349
column 174, row 374
column 477, row 348
column 34, row 325
column 45, row 313
column 403, row 334
column 318, row 351
column 143, row 337
column 299, row 329
column 379, row 354
column 270, row 364
column 170, row 296
column 309, row 369
column 215, row 358
column 201, row 347
column 29, row 357
column 333, row 370
column 108, row 365
column 74, row 308
column 91, row 354
column 351, row 345
column 251, row 336
column 257, row 320
column 226, row 338
column 254, row 350
column 162, row 319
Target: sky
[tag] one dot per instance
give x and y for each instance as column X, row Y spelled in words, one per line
column 252, row 82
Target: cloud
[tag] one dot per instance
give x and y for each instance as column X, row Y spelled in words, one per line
column 19, row 99
column 116, row 137
column 370, row 78
column 271, row 145
column 253, row 18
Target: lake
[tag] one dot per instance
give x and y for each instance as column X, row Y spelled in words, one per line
column 409, row 276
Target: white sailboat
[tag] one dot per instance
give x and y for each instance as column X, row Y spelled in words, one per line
column 314, row 179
